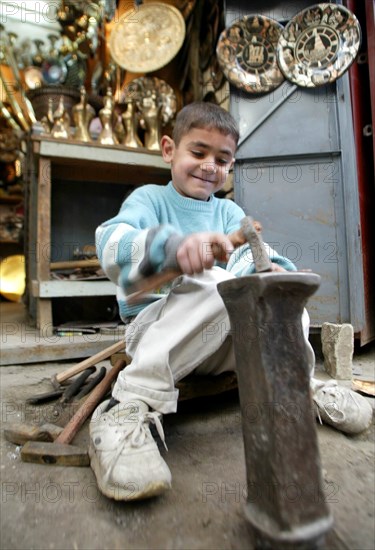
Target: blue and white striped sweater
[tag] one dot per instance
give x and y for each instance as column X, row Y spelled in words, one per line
column 151, row 222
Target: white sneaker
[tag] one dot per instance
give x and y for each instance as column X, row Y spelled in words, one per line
column 124, row 456
column 340, row 407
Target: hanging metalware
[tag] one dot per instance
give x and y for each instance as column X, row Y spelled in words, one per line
column 147, row 37
column 318, row 45
column 9, row 94
column 8, row 52
column 246, row 52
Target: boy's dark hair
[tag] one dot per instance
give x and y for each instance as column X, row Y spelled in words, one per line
column 200, row 114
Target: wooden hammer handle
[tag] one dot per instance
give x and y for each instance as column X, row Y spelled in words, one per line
column 74, row 424
column 150, row 283
column 89, row 362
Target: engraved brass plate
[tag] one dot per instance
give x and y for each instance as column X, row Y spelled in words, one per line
column 246, row 52
column 147, row 37
column 318, row 45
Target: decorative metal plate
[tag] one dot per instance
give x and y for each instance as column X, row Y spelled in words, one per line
column 246, row 52
column 145, row 86
column 147, row 37
column 318, row 45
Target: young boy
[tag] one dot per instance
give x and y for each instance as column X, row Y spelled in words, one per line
column 161, row 227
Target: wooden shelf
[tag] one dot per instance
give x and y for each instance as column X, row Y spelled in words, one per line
column 11, row 199
column 62, row 289
column 8, row 241
column 63, row 169
column 91, row 152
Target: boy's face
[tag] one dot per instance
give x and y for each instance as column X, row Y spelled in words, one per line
column 200, row 163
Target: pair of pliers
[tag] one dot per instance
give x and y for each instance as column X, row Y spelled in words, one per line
column 76, row 389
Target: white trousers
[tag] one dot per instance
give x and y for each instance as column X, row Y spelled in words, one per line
column 186, row 331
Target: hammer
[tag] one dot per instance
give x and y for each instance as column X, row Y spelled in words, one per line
column 248, row 233
column 60, row 452
column 59, row 378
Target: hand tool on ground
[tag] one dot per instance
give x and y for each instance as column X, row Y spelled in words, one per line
column 21, row 433
column 76, row 385
column 247, row 234
column 66, row 394
column 366, row 387
column 87, row 388
column 61, row 377
column 286, row 506
column 60, row 452
column 82, row 385
column 62, row 412
column 45, row 397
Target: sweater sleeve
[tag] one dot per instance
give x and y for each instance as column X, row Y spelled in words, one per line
column 133, row 244
column 241, row 261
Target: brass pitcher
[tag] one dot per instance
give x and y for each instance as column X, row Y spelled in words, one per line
column 130, row 122
column 83, row 113
column 107, row 135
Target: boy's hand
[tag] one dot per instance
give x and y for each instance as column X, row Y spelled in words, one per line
column 277, row 267
column 199, row 251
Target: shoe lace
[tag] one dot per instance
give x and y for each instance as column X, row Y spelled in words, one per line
column 328, row 388
column 140, row 432
column 137, row 432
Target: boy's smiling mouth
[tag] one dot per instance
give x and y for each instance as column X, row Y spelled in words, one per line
column 206, row 179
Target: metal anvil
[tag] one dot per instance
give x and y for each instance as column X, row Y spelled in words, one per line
column 285, row 501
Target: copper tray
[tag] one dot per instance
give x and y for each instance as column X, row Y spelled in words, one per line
column 246, row 53
column 318, row 45
column 147, row 37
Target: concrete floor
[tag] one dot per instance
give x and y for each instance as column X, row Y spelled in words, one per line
column 54, row 507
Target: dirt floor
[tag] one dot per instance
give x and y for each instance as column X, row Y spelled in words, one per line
column 54, row 507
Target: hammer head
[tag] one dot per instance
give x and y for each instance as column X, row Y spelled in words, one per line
column 55, row 383
column 258, row 250
column 58, row 454
column 19, row 433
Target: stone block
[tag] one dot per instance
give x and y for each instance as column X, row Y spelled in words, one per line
column 338, row 347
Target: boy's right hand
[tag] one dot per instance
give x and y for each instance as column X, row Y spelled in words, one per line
column 199, row 251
